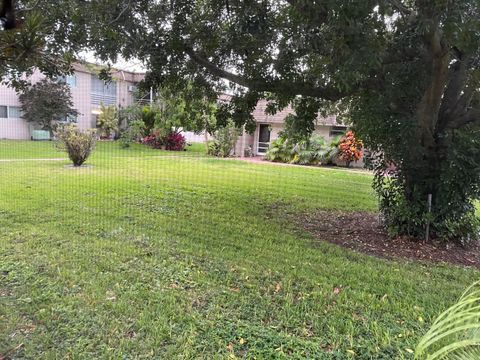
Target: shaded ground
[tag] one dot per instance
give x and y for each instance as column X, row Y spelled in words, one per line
column 362, row 232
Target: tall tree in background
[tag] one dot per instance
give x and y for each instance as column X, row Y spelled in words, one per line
column 47, row 103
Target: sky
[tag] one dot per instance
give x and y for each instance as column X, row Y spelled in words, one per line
column 130, row 65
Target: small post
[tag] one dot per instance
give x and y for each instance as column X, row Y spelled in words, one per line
column 151, row 96
column 429, row 206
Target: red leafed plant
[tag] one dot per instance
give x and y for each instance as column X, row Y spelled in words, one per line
column 350, row 148
column 175, row 141
column 154, row 140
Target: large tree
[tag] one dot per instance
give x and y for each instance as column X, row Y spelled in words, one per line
column 405, row 73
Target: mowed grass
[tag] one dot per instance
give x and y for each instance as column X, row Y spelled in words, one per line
column 169, row 257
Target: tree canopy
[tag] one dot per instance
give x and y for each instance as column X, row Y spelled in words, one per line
column 47, row 103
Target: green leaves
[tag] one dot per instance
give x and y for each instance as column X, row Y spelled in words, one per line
column 46, row 103
column 455, row 334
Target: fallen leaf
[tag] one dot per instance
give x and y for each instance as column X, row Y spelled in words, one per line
column 278, row 288
column 337, row 290
column 242, row 341
column 230, row 347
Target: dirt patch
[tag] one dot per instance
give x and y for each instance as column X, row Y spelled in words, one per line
column 362, row 232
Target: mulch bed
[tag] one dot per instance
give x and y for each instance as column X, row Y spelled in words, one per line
column 362, row 232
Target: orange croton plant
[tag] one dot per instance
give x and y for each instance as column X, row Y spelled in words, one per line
column 350, row 148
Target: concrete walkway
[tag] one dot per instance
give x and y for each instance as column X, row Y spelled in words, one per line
column 22, row 160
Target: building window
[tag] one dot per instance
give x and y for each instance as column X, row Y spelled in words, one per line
column 337, row 130
column 14, row 112
column 3, row 112
column 70, row 80
column 103, row 92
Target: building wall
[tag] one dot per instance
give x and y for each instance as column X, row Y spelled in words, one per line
column 17, row 128
column 81, row 99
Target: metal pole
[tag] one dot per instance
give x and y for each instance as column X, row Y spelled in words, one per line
column 429, row 205
column 151, row 96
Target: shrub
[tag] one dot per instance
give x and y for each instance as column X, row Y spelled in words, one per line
column 224, row 141
column 154, row 140
column 333, row 151
column 107, row 120
column 150, row 114
column 280, row 150
column 77, row 143
column 133, row 133
column 309, row 152
column 163, row 139
column 350, row 148
column 304, row 152
column 175, row 141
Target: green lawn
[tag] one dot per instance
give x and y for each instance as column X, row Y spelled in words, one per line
column 169, row 257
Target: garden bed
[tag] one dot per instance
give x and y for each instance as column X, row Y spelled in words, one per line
column 362, row 232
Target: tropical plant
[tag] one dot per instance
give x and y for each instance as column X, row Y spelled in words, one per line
column 303, row 152
column 77, row 143
column 107, row 120
column 280, row 150
column 333, row 151
column 455, row 334
column 225, row 139
column 129, row 114
column 350, row 148
column 133, row 133
column 149, row 115
column 47, row 103
column 175, row 141
column 309, row 152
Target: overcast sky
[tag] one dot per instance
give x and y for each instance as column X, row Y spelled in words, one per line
column 130, row 65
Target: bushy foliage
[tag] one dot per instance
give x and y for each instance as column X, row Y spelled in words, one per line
column 403, row 200
column 350, row 148
column 107, row 120
column 127, row 115
column 175, row 141
column 150, row 115
column 313, row 151
column 168, row 140
column 280, row 150
column 47, row 104
column 224, row 141
column 77, row 143
column 133, row 133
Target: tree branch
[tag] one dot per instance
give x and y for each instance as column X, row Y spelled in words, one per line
column 276, row 86
column 471, row 117
column 397, row 4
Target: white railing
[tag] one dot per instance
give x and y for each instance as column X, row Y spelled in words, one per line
column 97, row 99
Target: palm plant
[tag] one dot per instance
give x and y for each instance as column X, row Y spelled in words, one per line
column 309, row 152
column 333, row 150
column 280, row 150
column 455, row 334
